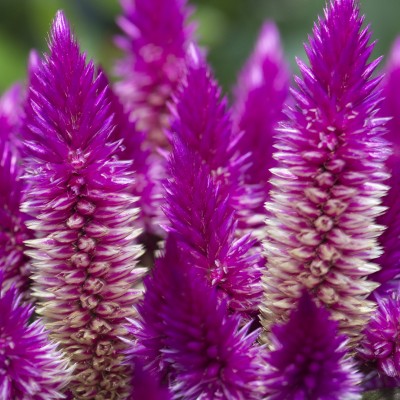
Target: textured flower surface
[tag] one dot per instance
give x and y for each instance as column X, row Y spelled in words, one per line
column 390, row 258
column 84, row 256
column 133, row 148
column 327, row 192
column 30, row 366
column 381, row 343
column 199, row 199
column 188, row 335
column 308, row 360
column 13, row 262
column 260, row 93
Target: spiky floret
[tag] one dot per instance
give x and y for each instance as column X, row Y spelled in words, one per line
column 308, row 360
column 85, row 254
column 13, row 263
column 381, row 343
column 200, row 193
column 390, row 258
column 156, row 38
column 187, row 334
column 261, row 91
column 31, row 368
column 327, row 193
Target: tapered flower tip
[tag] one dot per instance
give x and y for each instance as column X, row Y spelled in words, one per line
column 308, row 358
column 194, row 56
column 34, row 62
column 268, row 49
column 60, row 27
column 381, row 343
column 30, row 366
column 10, row 111
column 146, row 385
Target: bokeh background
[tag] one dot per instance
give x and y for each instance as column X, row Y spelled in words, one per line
column 227, row 27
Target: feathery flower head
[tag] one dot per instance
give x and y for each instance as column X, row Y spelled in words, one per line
column 30, row 366
column 188, row 334
column 200, row 192
column 390, row 258
column 260, row 93
column 85, row 254
column 157, row 36
column 13, row 263
column 308, row 360
column 202, row 120
column 322, row 234
column 380, row 345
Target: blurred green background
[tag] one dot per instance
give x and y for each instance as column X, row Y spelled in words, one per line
column 227, row 27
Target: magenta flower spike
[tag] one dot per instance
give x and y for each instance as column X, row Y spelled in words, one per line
column 13, row 263
column 327, row 192
column 204, row 175
column 85, row 255
column 380, row 346
column 309, row 359
column 262, row 88
column 188, row 336
column 156, row 38
column 31, row 368
column 390, row 259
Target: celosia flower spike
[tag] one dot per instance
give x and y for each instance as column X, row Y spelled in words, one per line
column 260, row 93
column 85, row 254
column 390, row 259
column 380, row 346
column 327, row 193
column 201, row 189
column 13, row 263
column 309, row 359
column 30, row 366
column 188, row 335
column 157, row 37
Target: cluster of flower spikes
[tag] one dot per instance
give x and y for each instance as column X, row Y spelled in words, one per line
column 155, row 45
column 322, row 233
column 85, row 253
column 187, row 337
column 31, row 368
column 321, row 236
column 204, row 175
column 13, row 263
